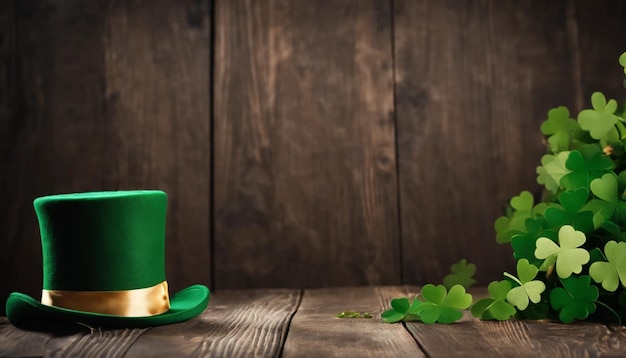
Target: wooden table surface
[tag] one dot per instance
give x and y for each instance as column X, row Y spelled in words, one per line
column 295, row 323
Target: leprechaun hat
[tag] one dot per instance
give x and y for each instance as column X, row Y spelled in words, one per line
column 104, row 263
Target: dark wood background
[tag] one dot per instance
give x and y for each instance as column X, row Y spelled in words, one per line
column 302, row 143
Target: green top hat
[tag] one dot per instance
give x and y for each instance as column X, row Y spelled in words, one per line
column 103, row 263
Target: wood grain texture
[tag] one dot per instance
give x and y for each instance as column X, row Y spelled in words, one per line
column 474, row 80
column 19, row 343
column 157, row 118
column 599, row 47
column 471, row 337
column 7, row 113
column 285, row 322
column 53, row 140
column 305, row 190
column 236, row 324
column 316, row 332
column 305, row 184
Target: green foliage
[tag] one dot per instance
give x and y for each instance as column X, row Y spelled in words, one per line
column 401, row 310
column 462, row 273
column 560, row 129
column 585, row 165
column 437, row 305
column 611, row 273
column 578, row 229
column 496, row 306
column 442, row 306
column 528, row 289
column 552, row 170
column 575, row 300
column 600, row 121
column 569, row 257
column 570, row 247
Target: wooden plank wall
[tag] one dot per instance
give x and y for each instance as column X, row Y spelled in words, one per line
column 302, row 143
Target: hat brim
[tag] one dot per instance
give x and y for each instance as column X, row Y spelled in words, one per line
column 22, row 310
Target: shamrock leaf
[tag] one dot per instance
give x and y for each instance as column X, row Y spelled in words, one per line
column 552, row 170
column 575, row 300
column 612, row 272
column 401, row 310
column 528, row 289
column 586, row 165
column 600, row 121
column 569, row 213
column 524, row 243
column 522, row 205
column 622, row 61
column 568, row 256
column 462, row 274
column 608, row 204
column 560, row 128
column 496, row 306
column 442, row 306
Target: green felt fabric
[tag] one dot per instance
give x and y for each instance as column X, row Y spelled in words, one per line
column 102, row 241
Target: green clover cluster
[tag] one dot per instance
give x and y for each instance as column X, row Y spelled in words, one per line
column 570, row 246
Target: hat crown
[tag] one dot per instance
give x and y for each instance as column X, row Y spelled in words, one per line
column 103, row 241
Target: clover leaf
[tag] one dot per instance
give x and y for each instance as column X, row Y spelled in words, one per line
column 600, row 121
column 552, row 170
column 570, row 212
column 622, row 61
column 586, row 165
column 524, row 243
column 522, row 205
column 575, row 300
column 608, row 204
column 568, row 256
column 462, row 274
column 401, row 310
column 495, row 307
column 442, row 306
column 528, row 289
column 560, row 128
column 611, row 273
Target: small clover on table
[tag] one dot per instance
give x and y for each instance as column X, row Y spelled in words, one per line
column 569, row 257
column 442, row 306
column 495, row 307
column 576, row 299
column 462, row 273
column 613, row 272
column 401, row 310
column 528, row 289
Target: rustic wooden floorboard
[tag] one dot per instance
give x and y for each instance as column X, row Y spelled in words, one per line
column 471, row 337
column 19, row 343
column 316, row 332
column 285, row 322
column 236, row 324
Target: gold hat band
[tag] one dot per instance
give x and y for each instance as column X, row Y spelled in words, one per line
column 139, row 302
